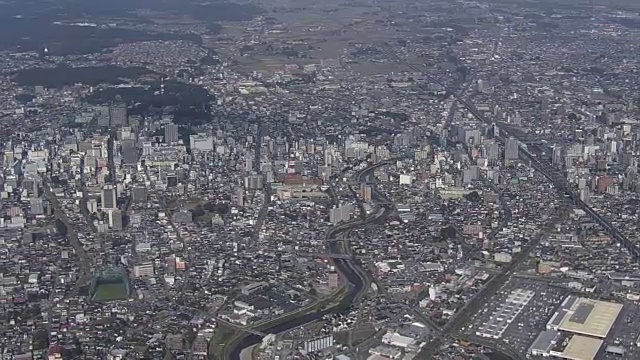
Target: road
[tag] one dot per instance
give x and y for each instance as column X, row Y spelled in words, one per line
column 477, row 302
column 543, row 167
column 84, row 259
column 352, row 272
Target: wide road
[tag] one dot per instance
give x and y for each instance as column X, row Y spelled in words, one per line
column 84, row 259
column 352, row 272
column 543, row 167
column 476, row 303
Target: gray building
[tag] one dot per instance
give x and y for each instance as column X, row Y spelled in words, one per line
column 109, row 197
column 139, row 194
column 171, row 133
column 118, row 115
column 37, row 206
column 102, row 115
column 253, row 182
column 129, row 152
column 339, row 214
column 115, row 219
column 511, row 149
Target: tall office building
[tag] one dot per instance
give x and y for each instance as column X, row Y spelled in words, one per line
column 341, row 213
column 171, row 133
column 102, row 114
column 492, row 150
column 139, row 194
column 109, row 198
column 511, row 149
column 118, row 114
column 253, row 182
column 129, row 152
column 366, row 192
column 37, row 206
column 115, row 219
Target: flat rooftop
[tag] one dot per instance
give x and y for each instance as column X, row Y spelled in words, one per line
column 590, row 317
column 582, row 348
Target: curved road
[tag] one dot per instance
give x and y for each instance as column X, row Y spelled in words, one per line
column 352, row 272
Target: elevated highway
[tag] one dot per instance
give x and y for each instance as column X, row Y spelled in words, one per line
column 543, row 167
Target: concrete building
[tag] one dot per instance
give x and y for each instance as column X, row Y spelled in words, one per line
column 139, row 194
column 118, row 115
column 318, row 344
column 115, row 220
column 36, row 206
column 171, row 133
column 109, row 198
column 201, row 142
column 145, row 270
column 102, row 115
column 340, row 213
column 511, row 149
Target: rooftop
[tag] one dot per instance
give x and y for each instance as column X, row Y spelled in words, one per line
column 581, row 348
column 590, row 317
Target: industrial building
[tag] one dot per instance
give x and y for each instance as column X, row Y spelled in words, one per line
column 578, row 347
column 543, row 344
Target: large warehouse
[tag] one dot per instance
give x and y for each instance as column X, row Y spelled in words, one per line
column 565, row 346
column 585, row 316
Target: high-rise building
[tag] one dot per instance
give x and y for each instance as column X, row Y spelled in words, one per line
column 129, row 152
column 492, row 150
column 511, row 149
column 92, row 206
column 118, row 114
column 139, row 194
column 37, row 206
column 366, row 192
column 253, row 182
column 172, row 180
column 109, row 198
column 481, row 85
column 171, row 133
column 334, row 215
column 102, row 115
column 557, row 156
column 333, row 280
column 115, row 219
column 341, row 213
column 239, row 197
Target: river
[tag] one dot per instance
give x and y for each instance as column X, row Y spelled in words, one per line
column 357, row 286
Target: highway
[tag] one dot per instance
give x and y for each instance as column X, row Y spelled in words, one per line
column 543, row 167
column 476, row 303
column 264, row 209
column 85, row 260
column 353, row 273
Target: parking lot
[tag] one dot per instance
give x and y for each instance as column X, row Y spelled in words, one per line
column 624, row 334
column 533, row 318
